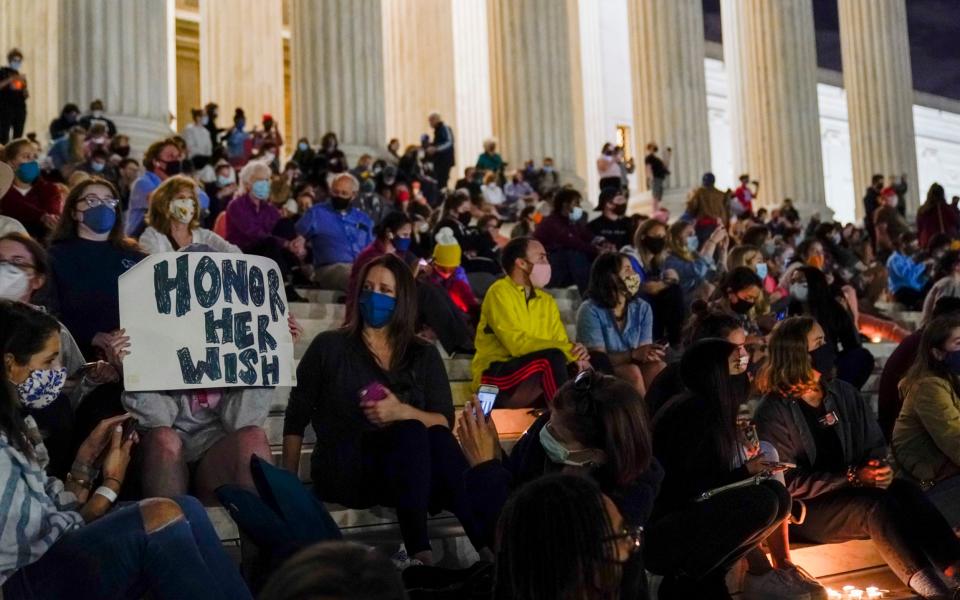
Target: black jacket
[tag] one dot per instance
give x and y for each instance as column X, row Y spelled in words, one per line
column 781, row 422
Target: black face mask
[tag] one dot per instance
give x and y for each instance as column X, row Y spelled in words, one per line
column 340, row 203
column 619, row 209
column 123, row 151
column 741, row 306
column 465, row 218
column 172, row 167
column 823, row 359
column 654, row 244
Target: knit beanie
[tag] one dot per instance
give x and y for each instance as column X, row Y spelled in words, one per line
column 447, row 251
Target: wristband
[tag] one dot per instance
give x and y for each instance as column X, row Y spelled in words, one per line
column 107, row 493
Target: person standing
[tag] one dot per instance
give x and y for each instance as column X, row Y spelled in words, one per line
column 441, row 150
column 657, row 170
column 197, row 136
column 742, row 202
column 13, row 98
column 871, row 201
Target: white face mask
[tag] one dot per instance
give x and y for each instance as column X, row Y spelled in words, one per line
column 291, row 206
column 182, row 210
column 14, row 282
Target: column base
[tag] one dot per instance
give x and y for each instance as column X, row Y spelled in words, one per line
column 142, row 131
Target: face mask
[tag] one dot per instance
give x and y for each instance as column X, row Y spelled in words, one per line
column 835, row 238
column 172, row 167
column 14, row 282
column 632, row 283
column 100, row 219
column 654, row 244
column 619, row 209
column 182, row 210
column 122, row 151
column 540, row 275
column 28, row 171
column 302, row 146
column 557, row 452
column 693, row 243
column 224, row 180
column 465, row 218
column 743, row 362
column 548, row 169
column 816, row 261
column 97, row 114
column 952, row 361
column 423, row 227
column 291, row 206
column 822, row 359
column 741, row 306
column 761, row 269
column 894, row 200
column 42, row 387
column 576, row 214
column 376, row 308
column 769, row 247
column 340, row 203
column 204, row 120
column 15, row 65
column 97, row 167
column 269, row 157
column 401, row 244
column 799, row 292
column 261, row 189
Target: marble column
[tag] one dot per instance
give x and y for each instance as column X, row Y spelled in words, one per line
column 471, row 73
column 876, row 75
column 337, row 79
column 241, row 58
column 536, row 84
column 32, row 26
column 770, row 57
column 119, row 52
column 669, row 91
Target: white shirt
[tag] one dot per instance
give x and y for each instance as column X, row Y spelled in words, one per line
column 154, row 242
column 492, row 194
column 198, row 140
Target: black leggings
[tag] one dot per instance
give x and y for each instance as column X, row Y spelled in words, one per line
column 416, row 470
column 908, row 531
column 694, row 546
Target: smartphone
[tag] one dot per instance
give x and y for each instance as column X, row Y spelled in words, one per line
column 129, row 428
column 487, row 395
column 783, row 465
column 88, row 366
column 373, row 392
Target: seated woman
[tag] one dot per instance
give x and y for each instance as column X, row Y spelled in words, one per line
column 926, row 435
column 595, row 427
column 697, row 440
column 616, row 324
column 691, row 263
column 659, row 287
column 810, row 295
column 447, row 274
column 826, row 428
column 62, row 541
column 908, row 279
column 379, row 401
column 741, row 291
column 568, row 240
column 174, row 220
column 588, row 558
column 31, row 200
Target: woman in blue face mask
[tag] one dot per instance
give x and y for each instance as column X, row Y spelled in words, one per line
column 65, row 537
column 692, row 262
column 31, row 200
column 380, row 403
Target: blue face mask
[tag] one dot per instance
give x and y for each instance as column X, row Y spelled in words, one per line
column 261, row 189
column 376, row 308
column 576, row 214
column 952, row 362
column 100, row 219
column 97, row 167
column 401, row 244
column 224, row 180
column 761, row 270
column 693, row 243
column 28, row 171
column 303, row 145
column 559, row 454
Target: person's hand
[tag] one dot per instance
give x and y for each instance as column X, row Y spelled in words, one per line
column 296, row 329
column 579, row 352
column 759, row 464
column 718, row 235
column 875, row 474
column 102, row 372
column 50, row 221
column 648, row 353
column 386, row 411
column 117, row 458
column 583, row 365
column 653, row 287
column 431, row 150
column 477, row 434
column 92, row 447
column 115, row 345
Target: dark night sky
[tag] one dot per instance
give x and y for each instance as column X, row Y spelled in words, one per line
column 933, row 26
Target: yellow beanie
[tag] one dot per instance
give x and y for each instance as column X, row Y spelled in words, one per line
column 447, row 251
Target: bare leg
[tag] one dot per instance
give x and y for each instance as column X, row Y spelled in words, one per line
column 650, row 372
column 631, row 374
column 165, row 472
column 779, row 543
column 228, row 461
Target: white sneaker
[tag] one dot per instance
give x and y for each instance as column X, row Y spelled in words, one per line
column 774, row 585
column 817, row 591
column 401, row 560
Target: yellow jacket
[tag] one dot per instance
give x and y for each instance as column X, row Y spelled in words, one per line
column 510, row 326
column 926, row 436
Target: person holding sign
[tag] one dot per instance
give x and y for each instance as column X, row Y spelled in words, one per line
column 379, row 400
column 174, row 220
column 66, row 539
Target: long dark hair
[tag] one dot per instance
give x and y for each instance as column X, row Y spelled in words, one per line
column 605, row 284
column 553, row 539
column 935, row 334
column 402, row 327
column 391, row 224
column 705, row 372
column 23, row 332
column 824, row 307
column 67, row 227
column 609, row 415
column 708, row 323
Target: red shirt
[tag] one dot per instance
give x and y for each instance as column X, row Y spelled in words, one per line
column 43, row 198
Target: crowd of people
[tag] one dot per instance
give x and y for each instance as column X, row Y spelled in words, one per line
column 706, row 412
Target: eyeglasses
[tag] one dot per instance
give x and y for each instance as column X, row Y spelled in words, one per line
column 94, row 201
column 25, row 267
column 634, row 535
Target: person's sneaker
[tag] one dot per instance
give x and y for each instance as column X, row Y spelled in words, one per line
column 401, row 560
column 775, row 584
column 817, row 591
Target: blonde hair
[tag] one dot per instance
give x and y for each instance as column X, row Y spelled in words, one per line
column 677, row 243
column 789, row 370
column 158, row 216
column 738, row 256
column 489, row 177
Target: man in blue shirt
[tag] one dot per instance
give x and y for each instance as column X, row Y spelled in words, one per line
column 336, row 232
column 908, row 279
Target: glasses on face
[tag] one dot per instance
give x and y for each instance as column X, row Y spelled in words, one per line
column 94, row 201
column 631, row 535
column 20, row 264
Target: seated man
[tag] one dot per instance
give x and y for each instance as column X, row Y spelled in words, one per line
column 337, row 232
column 522, row 345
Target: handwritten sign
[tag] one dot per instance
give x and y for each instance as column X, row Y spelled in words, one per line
column 204, row 320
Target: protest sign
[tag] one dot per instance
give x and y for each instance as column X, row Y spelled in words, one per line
column 205, row 320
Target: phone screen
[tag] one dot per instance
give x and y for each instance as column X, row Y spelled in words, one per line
column 487, row 395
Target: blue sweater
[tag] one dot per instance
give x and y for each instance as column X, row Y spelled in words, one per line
column 903, row 272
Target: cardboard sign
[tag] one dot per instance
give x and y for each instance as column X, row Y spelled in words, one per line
column 205, row 320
